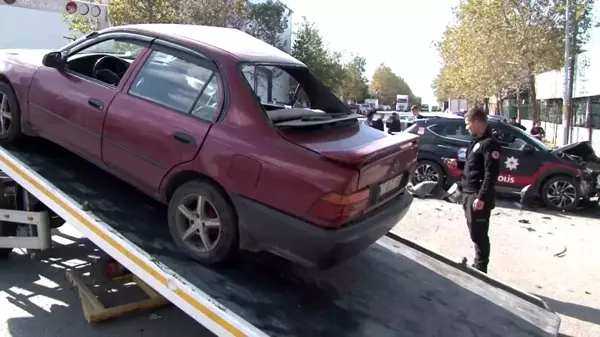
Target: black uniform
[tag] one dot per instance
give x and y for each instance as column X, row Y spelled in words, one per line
column 480, row 173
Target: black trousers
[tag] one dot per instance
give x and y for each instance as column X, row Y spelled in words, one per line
column 479, row 225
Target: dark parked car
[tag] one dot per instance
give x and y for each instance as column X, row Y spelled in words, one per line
column 204, row 120
column 561, row 177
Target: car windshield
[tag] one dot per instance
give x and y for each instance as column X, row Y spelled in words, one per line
column 402, row 100
column 537, row 142
column 290, row 87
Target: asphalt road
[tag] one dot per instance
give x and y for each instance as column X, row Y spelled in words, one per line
column 37, row 300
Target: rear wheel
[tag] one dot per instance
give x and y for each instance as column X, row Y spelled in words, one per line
column 202, row 223
column 560, row 193
column 10, row 115
column 428, row 170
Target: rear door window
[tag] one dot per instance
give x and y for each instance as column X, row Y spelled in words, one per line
column 179, row 85
column 454, row 130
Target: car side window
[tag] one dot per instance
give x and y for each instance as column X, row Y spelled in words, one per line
column 508, row 139
column 208, row 103
column 106, row 61
column 452, row 130
column 177, row 84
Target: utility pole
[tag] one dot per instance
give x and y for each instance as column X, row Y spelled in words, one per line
column 568, row 83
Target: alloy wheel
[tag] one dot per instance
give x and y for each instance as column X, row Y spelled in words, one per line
column 5, row 114
column 426, row 172
column 198, row 223
column 561, row 194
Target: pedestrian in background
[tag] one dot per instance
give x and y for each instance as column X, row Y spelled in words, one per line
column 377, row 124
column 393, row 123
column 480, row 173
column 537, row 131
column 416, row 115
column 513, row 122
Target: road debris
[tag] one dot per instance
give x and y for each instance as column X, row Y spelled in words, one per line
column 563, row 253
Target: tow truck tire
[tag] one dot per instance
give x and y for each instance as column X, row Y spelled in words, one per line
column 7, row 229
column 558, row 181
column 226, row 244
column 14, row 130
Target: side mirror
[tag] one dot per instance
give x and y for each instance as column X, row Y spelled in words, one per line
column 528, row 148
column 53, row 60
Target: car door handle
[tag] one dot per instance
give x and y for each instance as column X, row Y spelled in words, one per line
column 96, row 103
column 184, row 138
column 444, row 146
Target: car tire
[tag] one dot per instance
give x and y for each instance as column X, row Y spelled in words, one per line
column 7, row 229
column 565, row 189
column 14, row 129
column 209, row 244
column 424, row 166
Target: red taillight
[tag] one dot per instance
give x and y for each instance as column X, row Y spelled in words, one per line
column 71, row 7
column 337, row 209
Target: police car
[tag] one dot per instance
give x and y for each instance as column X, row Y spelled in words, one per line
column 561, row 177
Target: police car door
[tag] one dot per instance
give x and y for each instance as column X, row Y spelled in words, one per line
column 452, row 136
column 518, row 162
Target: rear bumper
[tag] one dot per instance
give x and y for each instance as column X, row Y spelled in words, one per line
column 263, row 228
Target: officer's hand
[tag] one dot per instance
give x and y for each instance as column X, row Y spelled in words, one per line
column 451, row 162
column 478, row 204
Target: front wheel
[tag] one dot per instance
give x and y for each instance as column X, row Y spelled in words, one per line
column 202, row 223
column 560, row 193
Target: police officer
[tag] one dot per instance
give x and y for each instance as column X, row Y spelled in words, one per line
column 480, row 173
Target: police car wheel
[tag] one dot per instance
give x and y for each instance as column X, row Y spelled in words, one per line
column 560, row 193
column 428, row 170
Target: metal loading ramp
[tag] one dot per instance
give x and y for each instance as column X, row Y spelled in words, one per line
column 388, row 290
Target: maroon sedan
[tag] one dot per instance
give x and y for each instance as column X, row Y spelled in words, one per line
column 248, row 149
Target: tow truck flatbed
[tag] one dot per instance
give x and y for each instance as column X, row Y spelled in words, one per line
column 388, row 290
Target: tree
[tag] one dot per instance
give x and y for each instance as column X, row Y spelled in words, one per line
column 354, row 87
column 385, row 85
column 266, row 20
column 310, row 49
column 502, row 44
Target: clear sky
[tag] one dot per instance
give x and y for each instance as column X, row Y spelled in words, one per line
column 399, row 33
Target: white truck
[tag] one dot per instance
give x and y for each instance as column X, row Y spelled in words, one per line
column 457, row 104
column 394, row 288
column 402, row 103
column 373, row 102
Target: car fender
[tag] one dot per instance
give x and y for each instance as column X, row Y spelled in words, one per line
column 549, row 170
column 19, row 77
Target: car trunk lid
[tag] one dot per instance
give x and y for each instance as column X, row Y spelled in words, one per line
column 384, row 162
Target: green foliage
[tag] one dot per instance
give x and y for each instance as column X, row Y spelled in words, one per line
column 385, row 85
column 502, row 44
column 266, row 21
column 354, row 87
column 310, row 49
